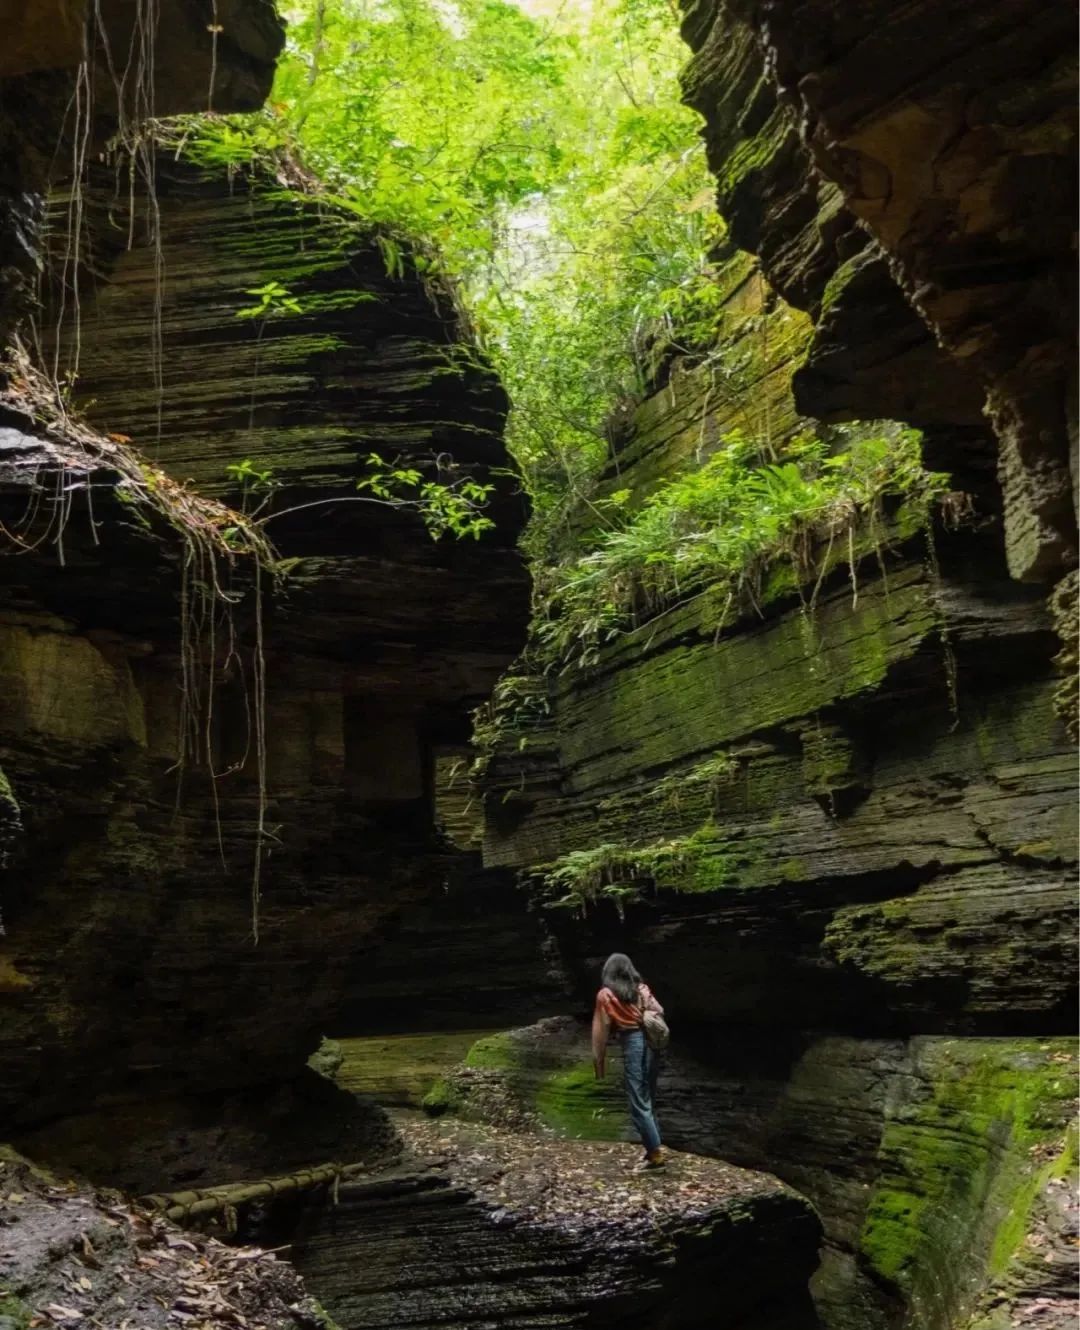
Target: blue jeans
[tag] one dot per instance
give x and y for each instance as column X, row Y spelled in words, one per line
column 640, row 1068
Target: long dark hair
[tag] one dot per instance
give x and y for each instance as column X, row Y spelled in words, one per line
column 621, row 977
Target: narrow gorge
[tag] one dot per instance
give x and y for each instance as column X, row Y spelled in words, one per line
column 316, row 830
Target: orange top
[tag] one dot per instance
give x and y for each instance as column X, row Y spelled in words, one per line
column 624, row 1015
column 610, row 1010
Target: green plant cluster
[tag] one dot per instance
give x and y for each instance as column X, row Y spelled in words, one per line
column 449, row 502
column 453, row 505
column 274, row 300
column 721, row 525
column 543, row 157
column 518, row 707
column 620, row 874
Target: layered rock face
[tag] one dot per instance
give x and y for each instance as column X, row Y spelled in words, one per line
column 129, row 966
column 838, row 835
column 970, row 1153
column 477, row 1227
column 941, row 142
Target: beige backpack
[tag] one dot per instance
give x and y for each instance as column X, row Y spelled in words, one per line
column 657, row 1034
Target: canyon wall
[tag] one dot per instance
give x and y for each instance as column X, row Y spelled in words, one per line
column 141, row 720
column 236, row 688
column 835, row 824
column 837, row 829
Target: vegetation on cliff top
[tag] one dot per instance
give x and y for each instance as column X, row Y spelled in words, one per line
column 719, row 526
column 545, row 159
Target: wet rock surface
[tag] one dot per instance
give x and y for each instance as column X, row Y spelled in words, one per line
column 480, row 1227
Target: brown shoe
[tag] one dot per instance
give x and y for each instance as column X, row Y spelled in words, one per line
column 655, row 1158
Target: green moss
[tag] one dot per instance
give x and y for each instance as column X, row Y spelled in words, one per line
column 841, row 278
column 1016, row 1222
column 553, row 1082
column 963, row 1166
column 14, row 1313
column 400, row 1069
column 321, row 1316
column 705, row 862
column 750, row 156
column 440, row 1099
column 826, row 757
column 575, row 1104
column 495, row 1052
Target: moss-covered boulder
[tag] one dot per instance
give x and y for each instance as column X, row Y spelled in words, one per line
column 537, row 1078
column 399, row 1069
column 966, row 1158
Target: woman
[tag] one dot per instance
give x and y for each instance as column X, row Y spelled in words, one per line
column 620, row 1004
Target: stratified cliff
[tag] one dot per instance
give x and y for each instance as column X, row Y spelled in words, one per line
column 333, row 684
column 839, row 834
column 832, row 818
column 477, row 1226
column 957, row 155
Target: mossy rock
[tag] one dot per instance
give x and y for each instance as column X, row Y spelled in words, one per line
column 963, row 1163
column 574, row 1103
column 495, row 1052
column 327, row 1059
column 317, row 1315
column 441, row 1098
column 537, row 1078
column 400, row 1069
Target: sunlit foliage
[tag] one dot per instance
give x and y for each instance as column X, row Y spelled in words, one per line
column 544, row 159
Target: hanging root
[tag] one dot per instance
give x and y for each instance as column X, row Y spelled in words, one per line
column 215, row 540
column 952, row 680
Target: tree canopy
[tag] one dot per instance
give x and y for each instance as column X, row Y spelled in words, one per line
column 542, row 156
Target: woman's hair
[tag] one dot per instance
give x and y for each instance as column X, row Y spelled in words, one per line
column 620, row 976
